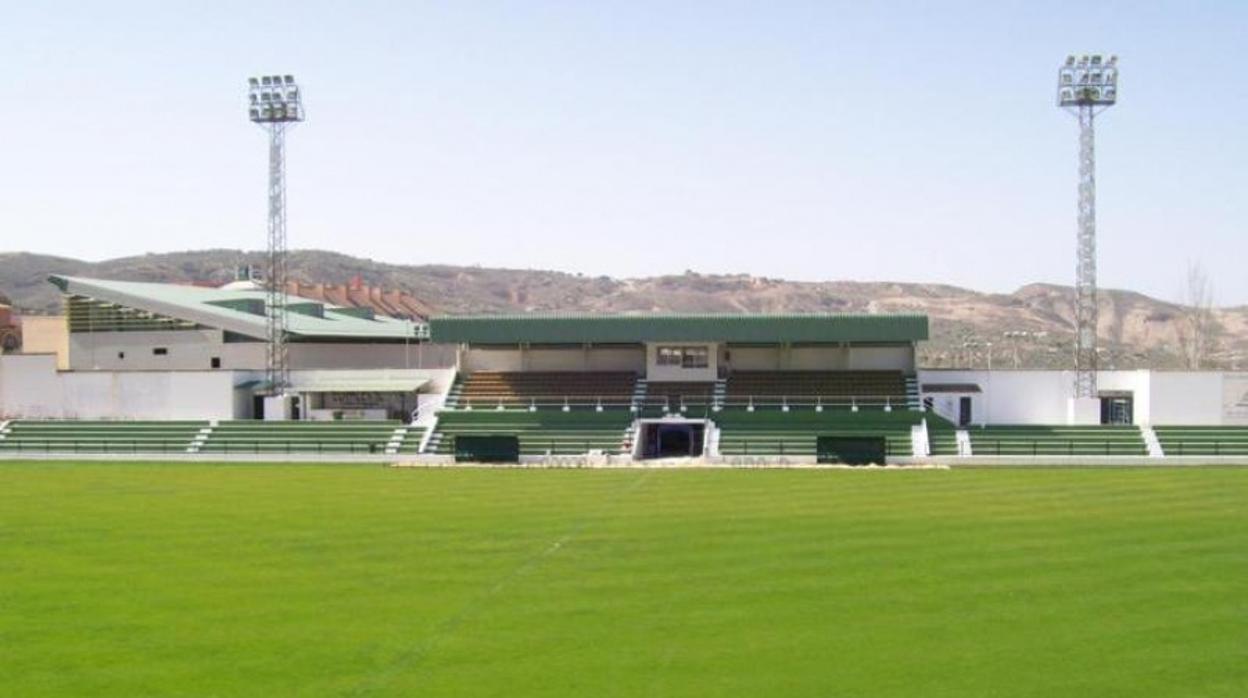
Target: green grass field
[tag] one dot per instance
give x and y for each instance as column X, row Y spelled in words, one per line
column 163, row 580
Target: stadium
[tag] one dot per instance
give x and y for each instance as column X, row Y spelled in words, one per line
column 518, row 455
column 179, row 371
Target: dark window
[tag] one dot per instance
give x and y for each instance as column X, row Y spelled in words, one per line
column 216, row 362
column 121, row 354
column 160, row 351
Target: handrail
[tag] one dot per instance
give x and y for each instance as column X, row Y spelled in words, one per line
column 180, row 446
column 1053, row 447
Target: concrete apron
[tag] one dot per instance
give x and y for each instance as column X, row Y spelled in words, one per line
column 721, row 462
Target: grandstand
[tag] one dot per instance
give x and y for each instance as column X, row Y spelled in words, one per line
column 837, row 389
column 541, row 432
column 1042, row 440
column 744, row 433
column 1203, row 440
column 662, row 386
column 30, row 436
column 704, row 388
column 942, row 437
column 209, row 437
column 612, row 389
column 350, row 437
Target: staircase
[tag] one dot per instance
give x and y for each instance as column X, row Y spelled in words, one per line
column 919, row 446
column 630, row 436
column 199, row 439
column 1150, row 440
column 718, row 393
column 912, row 393
column 640, row 390
column 964, row 443
column 396, row 440
column 452, row 395
column 433, row 443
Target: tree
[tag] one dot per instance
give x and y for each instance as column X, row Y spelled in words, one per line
column 1198, row 326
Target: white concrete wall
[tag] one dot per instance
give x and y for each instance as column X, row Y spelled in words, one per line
column 355, row 356
column 575, row 358
column 1186, row 397
column 752, row 358
column 617, row 359
column 193, row 350
column 30, row 386
column 881, row 358
column 133, row 351
column 817, row 359
column 1235, row 398
column 1040, row 397
column 1011, row 397
column 491, row 359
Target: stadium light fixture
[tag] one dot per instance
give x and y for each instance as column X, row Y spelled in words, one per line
column 282, row 93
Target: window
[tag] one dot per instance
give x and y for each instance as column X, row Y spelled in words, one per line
column 683, row 357
column 669, row 356
column 121, row 355
column 160, row 351
column 695, row 357
column 216, row 362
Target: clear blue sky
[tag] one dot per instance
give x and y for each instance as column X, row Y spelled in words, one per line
column 874, row 141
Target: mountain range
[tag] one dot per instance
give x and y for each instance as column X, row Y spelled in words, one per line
column 1031, row 327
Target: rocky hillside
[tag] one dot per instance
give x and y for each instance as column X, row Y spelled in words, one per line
column 1137, row 331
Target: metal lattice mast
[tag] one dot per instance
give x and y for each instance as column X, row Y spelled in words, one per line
column 1086, row 86
column 275, row 102
column 1086, row 315
column 277, row 368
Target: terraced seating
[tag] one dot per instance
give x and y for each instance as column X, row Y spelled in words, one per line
column 1203, row 440
column 300, row 437
column 411, row 443
column 795, row 433
column 540, row 432
column 545, row 388
column 942, row 436
column 830, row 388
column 678, row 393
column 71, row 436
column 1028, row 440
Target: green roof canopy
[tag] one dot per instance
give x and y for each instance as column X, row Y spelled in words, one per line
column 240, row 311
column 631, row 329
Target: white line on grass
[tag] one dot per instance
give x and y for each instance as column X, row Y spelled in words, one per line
column 419, row 652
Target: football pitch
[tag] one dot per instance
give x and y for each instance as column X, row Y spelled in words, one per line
column 276, row 580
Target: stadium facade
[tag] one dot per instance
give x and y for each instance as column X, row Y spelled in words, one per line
column 167, row 368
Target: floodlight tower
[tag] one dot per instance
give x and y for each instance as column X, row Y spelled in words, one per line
column 275, row 103
column 1086, row 86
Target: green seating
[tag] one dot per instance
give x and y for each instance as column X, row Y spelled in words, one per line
column 1044, row 440
column 256, row 436
column 828, row 388
column 1203, row 440
column 942, row 436
column 73, row 436
column 795, row 433
column 540, row 432
column 411, row 442
column 580, row 389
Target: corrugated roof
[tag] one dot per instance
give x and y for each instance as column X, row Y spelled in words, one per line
column 627, row 329
column 224, row 309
